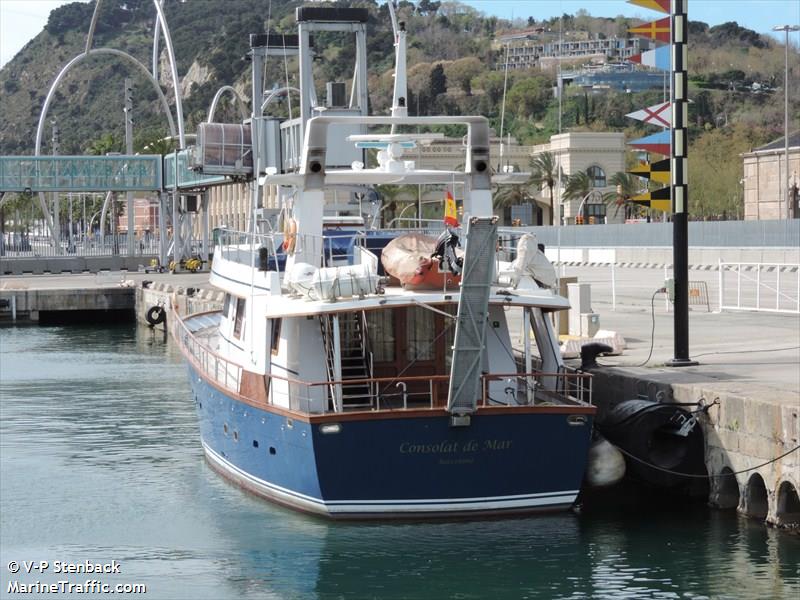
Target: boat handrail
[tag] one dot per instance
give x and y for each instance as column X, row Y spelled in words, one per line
column 554, row 387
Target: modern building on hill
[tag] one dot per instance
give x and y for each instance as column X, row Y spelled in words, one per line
column 622, row 79
column 765, row 179
column 527, row 52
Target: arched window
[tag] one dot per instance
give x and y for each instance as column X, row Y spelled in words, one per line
column 597, row 176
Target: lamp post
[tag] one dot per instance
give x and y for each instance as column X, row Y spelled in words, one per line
column 785, row 194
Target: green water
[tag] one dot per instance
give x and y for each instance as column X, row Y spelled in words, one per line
column 100, row 460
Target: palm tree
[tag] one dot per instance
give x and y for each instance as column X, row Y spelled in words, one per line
column 545, row 171
column 578, row 185
column 510, row 195
column 627, row 186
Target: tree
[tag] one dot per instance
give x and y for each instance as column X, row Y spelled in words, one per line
column 511, row 195
column 104, row 144
column 462, row 71
column 627, row 186
column 530, row 96
column 544, row 171
column 438, row 80
column 578, row 186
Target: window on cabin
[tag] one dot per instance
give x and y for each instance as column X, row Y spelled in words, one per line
column 275, row 336
column 226, row 307
column 238, row 323
column 380, row 330
column 420, row 334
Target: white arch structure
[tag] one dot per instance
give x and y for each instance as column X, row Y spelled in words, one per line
column 161, row 23
column 239, row 101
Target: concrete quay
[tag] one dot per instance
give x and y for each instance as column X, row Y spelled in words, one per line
column 748, row 372
column 749, row 369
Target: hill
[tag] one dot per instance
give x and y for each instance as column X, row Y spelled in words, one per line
column 736, row 74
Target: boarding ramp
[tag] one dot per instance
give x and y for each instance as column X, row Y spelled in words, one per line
column 473, row 311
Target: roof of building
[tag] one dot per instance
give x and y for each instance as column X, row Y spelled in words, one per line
column 794, row 142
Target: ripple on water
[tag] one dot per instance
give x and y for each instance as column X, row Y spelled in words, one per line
column 100, row 459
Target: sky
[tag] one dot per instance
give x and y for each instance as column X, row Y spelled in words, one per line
column 22, row 20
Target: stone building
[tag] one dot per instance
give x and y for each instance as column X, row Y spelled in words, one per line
column 600, row 155
column 765, row 177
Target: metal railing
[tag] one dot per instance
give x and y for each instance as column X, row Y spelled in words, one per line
column 390, row 393
column 539, row 388
column 14, row 245
column 763, row 287
column 220, row 370
column 333, row 249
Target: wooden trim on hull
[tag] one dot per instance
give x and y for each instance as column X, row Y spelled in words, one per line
column 320, row 508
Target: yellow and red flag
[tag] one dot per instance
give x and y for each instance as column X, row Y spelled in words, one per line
column 450, row 212
column 654, row 30
column 659, row 5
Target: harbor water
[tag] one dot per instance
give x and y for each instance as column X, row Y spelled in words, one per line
column 100, row 461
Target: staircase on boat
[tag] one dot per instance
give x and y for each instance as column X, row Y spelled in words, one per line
column 348, row 359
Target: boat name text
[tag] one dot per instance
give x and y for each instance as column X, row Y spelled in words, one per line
column 454, row 447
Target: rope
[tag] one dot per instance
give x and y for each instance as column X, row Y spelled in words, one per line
column 695, row 476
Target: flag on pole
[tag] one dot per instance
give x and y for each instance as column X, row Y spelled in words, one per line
column 657, row 171
column 656, row 59
column 654, row 30
column 658, row 114
column 450, row 212
column 657, row 199
column 658, row 142
column 659, row 5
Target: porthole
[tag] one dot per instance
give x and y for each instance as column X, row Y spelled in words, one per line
column 272, row 450
column 255, row 443
column 225, row 428
column 235, row 436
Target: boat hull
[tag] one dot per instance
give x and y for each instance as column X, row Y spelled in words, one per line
column 400, row 465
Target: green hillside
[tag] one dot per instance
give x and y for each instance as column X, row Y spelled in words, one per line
column 736, row 75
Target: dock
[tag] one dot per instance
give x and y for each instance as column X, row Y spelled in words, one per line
column 748, row 376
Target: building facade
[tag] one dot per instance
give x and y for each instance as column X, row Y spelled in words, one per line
column 765, row 179
column 600, row 155
column 527, row 52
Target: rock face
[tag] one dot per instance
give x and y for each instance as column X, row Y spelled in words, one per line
column 196, row 75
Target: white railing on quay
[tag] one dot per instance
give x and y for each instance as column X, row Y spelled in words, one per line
column 762, row 287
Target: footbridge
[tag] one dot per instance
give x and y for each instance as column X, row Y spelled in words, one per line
column 179, row 193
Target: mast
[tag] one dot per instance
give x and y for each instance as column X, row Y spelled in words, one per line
column 400, row 95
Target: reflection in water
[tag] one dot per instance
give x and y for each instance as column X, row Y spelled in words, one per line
column 100, row 459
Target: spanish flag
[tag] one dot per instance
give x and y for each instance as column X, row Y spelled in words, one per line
column 450, row 213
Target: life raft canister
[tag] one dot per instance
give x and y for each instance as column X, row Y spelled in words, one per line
column 156, row 315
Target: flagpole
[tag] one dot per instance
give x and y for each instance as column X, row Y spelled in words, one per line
column 679, row 187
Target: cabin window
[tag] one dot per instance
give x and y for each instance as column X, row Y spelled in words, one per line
column 380, row 329
column 420, row 334
column 238, row 323
column 226, row 307
column 275, row 336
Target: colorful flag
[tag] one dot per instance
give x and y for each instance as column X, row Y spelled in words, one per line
column 659, row 5
column 657, row 171
column 654, row 30
column 657, row 199
column 658, row 114
column 450, row 212
column 658, row 142
column 656, row 59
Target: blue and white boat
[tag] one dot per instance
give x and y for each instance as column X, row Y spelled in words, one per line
column 325, row 385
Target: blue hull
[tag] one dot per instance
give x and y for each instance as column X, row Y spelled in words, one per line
column 380, row 467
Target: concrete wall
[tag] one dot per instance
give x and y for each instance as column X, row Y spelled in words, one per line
column 30, row 303
column 73, row 264
column 164, row 294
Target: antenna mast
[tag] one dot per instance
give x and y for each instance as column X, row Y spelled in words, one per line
column 400, row 97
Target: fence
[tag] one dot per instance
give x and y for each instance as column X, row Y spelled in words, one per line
column 706, row 234
column 767, row 287
column 25, row 245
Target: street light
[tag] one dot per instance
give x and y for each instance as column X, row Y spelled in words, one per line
column 785, row 194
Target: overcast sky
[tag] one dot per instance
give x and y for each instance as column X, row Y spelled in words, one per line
column 22, row 20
